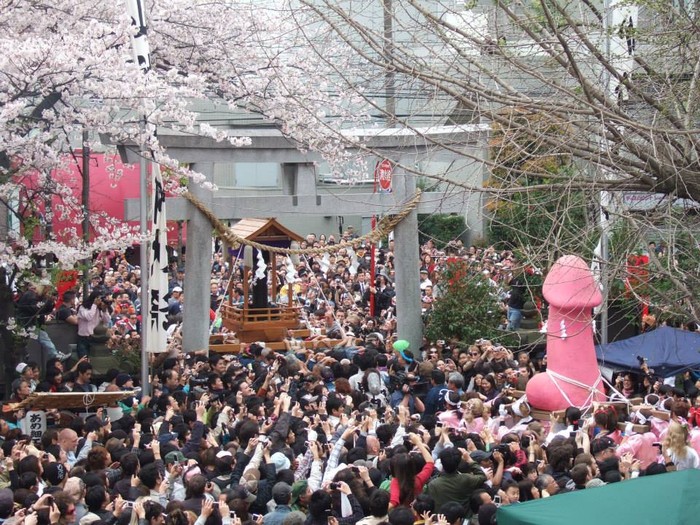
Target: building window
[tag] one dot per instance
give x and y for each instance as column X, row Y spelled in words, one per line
column 247, row 175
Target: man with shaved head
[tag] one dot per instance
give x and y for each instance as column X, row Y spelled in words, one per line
column 68, row 441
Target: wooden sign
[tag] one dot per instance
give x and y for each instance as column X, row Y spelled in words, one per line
column 34, row 424
column 68, row 400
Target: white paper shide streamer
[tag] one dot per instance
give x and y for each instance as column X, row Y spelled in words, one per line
column 291, row 276
column 354, row 263
column 261, row 267
column 325, row 263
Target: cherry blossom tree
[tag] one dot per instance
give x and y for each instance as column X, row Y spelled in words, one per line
column 66, row 67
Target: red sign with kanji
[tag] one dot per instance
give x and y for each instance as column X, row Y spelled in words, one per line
column 383, row 173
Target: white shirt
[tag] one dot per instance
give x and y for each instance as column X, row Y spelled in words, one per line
column 691, row 459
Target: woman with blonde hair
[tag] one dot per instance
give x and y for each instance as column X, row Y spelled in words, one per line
column 472, row 420
column 676, row 450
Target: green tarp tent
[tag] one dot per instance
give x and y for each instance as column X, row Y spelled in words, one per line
column 666, row 499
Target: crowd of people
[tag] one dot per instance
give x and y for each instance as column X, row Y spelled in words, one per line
column 348, row 425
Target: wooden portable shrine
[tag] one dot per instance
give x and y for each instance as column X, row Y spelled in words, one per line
column 68, row 400
column 256, row 322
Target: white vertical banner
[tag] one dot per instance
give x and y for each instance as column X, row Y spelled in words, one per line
column 139, row 40
column 158, row 269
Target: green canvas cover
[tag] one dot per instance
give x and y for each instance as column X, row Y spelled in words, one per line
column 671, row 498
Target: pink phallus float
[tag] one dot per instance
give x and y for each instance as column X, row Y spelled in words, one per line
column 572, row 377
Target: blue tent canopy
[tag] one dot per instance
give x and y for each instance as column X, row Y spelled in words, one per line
column 668, row 351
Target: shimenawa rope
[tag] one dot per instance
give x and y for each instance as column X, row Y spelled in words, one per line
column 385, row 225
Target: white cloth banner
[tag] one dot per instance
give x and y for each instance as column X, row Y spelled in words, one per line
column 139, row 38
column 156, row 337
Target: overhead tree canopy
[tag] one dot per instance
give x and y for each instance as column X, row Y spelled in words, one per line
column 68, row 67
column 617, row 89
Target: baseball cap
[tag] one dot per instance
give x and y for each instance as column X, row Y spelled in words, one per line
column 123, row 379
column 298, row 489
column 480, row 455
column 595, row 482
column 376, row 335
column 600, row 444
column 174, row 457
column 280, row 461
column 240, row 492
column 166, row 437
column 282, row 491
column 55, row 473
column 21, row 368
column 177, row 289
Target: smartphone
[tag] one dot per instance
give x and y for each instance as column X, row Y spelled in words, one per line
column 256, row 517
column 128, row 504
column 497, row 500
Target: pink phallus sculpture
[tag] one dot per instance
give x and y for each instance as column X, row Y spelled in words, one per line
column 572, row 377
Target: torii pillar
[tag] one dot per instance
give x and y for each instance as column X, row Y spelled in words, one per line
column 195, row 323
column 407, row 261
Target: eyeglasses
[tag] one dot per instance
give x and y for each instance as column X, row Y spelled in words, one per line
column 474, row 353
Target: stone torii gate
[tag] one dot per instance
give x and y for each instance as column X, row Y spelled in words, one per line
column 300, row 194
